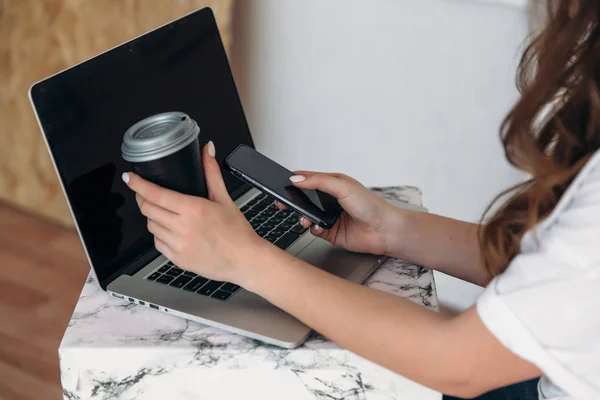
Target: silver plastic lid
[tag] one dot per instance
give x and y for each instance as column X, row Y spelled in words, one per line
column 158, row 136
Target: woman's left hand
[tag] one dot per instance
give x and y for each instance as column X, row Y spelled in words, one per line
column 210, row 236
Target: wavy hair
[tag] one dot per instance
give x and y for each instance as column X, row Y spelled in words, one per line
column 552, row 130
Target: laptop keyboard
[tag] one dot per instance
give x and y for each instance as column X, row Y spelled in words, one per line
column 278, row 227
column 170, row 274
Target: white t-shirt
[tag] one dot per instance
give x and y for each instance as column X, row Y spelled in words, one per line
column 546, row 306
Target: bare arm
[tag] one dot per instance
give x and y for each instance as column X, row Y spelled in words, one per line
column 437, row 242
column 454, row 355
column 369, row 224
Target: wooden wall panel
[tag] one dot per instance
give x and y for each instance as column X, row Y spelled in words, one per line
column 41, row 37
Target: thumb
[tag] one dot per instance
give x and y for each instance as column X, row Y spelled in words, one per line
column 214, row 179
column 337, row 185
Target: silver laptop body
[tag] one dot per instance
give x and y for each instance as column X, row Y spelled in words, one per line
column 245, row 313
column 241, row 312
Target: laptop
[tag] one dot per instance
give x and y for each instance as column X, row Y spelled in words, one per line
column 83, row 113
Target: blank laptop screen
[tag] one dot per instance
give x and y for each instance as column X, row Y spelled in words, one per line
column 85, row 111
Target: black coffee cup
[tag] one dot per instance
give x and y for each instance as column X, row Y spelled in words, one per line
column 164, row 149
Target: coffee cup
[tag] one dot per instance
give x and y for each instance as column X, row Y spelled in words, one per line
column 164, row 149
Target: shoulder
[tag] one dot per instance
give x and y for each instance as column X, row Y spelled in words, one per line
column 572, row 230
column 585, row 189
column 544, row 307
column 566, row 242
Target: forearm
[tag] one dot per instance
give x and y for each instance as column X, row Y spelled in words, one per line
column 436, row 242
column 384, row 328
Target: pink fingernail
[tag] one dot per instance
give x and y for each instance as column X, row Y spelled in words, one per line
column 211, row 149
column 317, row 227
column 125, row 177
column 297, row 178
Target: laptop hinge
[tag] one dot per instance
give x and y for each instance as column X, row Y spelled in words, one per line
column 133, row 267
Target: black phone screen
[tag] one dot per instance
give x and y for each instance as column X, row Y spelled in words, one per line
column 269, row 176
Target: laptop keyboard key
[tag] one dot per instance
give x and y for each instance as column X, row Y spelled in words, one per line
column 154, row 276
column 261, row 232
column 165, row 279
column 230, row 287
column 221, row 295
column 268, row 225
column 188, row 273
column 267, row 213
column 255, row 224
column 277, row 232
column 285, row 226
column 250, row 214
column 174, row 272
column 164, row 269
column 286, row 240
column 181, row 281
column 195, row 284
column 260, row 219
column 299, row 229
column 276, row 219
column 271, row 238
column 292, row 219
column 209, row 288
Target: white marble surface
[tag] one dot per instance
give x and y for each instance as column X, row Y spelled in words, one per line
column 116, row 350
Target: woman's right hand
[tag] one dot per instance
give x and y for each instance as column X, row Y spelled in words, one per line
column 363, row 226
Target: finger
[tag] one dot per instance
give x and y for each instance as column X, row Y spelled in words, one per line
column 316, row 230
column 280, row 205
column 305, row 222
column 157, row 213
column 312, row 173
column 164, row 249
column 165, row 198
column 214, row 179
column 338, row 185
column 160, row 231
column 304, row 172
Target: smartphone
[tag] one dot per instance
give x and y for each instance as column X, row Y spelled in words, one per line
column 268, row 176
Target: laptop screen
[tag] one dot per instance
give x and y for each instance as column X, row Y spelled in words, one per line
column 85, row 111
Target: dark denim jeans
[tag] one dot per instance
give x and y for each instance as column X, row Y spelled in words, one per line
column 519, row 391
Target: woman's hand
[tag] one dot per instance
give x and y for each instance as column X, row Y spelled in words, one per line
column 210, row 236
column 363, row 226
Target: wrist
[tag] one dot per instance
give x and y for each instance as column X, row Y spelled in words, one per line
column 255, row 266
column 397, row 224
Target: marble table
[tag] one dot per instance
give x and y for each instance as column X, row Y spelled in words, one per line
column 116, row 350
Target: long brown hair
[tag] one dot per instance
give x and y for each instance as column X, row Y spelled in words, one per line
column 552, row 130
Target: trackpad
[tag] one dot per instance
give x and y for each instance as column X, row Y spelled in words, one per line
column 335, row 260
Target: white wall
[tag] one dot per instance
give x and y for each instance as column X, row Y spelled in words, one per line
column 389, row 91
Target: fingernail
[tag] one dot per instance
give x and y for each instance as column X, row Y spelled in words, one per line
column 297, row 178
column 125, row 177
column 211, row 149
column 317, row 228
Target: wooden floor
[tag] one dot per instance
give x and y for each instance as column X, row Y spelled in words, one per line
column 42, row 270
